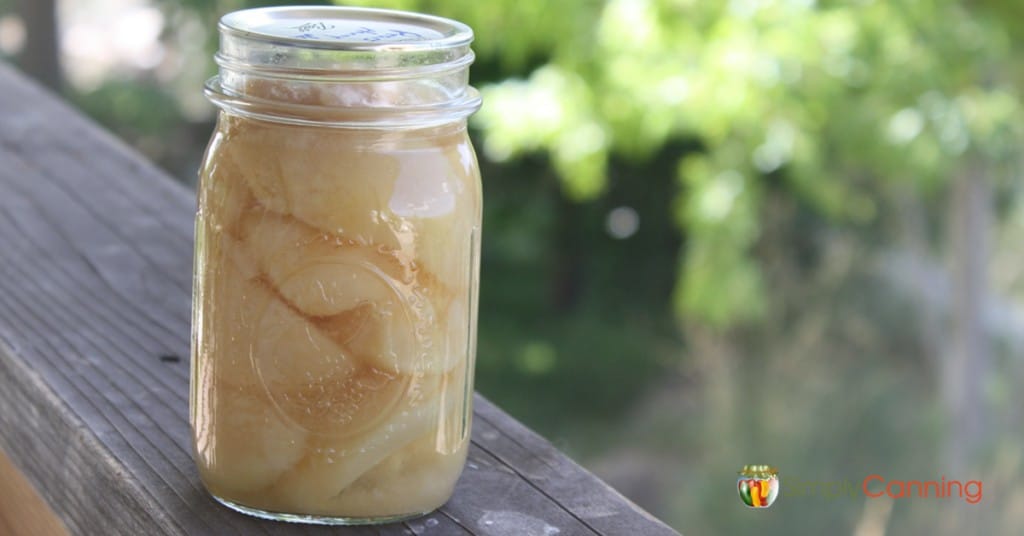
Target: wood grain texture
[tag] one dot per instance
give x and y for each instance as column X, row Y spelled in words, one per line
column 95, row 276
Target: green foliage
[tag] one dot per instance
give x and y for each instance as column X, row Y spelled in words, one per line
column 131, row 107
column 572, row 327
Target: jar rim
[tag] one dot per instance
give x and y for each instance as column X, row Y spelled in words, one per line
column 350, row 75
column 362, row 117
column 382, row 30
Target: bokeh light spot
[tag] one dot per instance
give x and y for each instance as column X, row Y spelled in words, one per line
column 622, row 222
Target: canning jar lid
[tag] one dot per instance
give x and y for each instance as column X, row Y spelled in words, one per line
column 346, row 28
column 342, row 42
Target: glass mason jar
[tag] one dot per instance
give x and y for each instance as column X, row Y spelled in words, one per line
column 337, row 253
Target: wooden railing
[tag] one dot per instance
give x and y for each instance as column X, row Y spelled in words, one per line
column 95, row 277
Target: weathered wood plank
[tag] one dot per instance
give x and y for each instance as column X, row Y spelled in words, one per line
column 95, row 269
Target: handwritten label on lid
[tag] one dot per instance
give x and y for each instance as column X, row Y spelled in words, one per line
column 345, row 31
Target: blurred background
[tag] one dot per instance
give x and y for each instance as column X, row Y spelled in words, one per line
column 716, row 233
